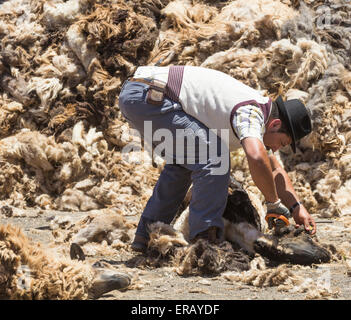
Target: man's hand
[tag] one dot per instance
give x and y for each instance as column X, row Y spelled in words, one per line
column 302, row 217
column 276, row 208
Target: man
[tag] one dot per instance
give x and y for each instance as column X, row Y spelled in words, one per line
column 201, row 101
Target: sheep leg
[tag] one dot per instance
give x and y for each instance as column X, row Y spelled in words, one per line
column 106, row 281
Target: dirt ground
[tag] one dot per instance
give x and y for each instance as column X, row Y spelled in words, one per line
column 165, row 284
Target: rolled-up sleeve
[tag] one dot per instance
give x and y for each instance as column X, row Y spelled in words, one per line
column 248, row 121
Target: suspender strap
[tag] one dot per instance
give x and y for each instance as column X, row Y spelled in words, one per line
column 174, row 83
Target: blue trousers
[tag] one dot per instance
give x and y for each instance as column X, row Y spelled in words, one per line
column 209, row 193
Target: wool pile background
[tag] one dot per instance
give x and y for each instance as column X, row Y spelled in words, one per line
column 62, row 65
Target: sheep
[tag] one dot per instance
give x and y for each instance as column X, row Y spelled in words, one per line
column 107, row 225
column 287, row 245
column 243, row 239
column 28, row 271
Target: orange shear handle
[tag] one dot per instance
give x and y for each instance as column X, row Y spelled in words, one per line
column 277, row 216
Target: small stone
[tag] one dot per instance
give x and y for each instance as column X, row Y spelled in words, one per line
column 205, row 282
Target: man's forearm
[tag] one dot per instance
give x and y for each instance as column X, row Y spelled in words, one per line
column 260, row 168
column 285, row 188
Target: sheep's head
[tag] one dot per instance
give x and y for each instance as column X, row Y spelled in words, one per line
column 29, row 272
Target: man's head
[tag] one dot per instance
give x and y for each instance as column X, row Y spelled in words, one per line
column 288, row 123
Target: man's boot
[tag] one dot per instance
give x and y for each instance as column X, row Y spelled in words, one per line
column 139, row 244
column 210, row 235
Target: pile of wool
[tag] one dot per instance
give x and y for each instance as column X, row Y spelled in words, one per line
column 286, row 278
column 79, row 174
column 95, row 231
column 263, row 277
column 192, row 30
column 29, row 271
column 62, row 65
column 63, row 61
column 333, row 27
column 321, row 165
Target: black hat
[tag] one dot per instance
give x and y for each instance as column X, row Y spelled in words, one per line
column 296, row 118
